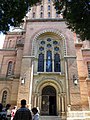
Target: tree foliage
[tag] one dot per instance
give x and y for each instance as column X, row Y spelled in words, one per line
column 13, row 11
column 77, row 15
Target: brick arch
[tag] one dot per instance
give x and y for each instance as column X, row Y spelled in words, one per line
column 43, row 83
column 55, row 32
column 10, row 60
column 42, row 31
column 8, row 93
column 5, row 88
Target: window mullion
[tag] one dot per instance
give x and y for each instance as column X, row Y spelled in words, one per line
column 52, row 61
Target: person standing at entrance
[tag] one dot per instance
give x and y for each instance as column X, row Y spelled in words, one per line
column 23, row 113
column 35, row 114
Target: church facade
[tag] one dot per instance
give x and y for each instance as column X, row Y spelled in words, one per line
column 46, row 64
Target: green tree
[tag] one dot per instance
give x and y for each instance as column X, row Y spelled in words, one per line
column 77, row 15
column 13, row 11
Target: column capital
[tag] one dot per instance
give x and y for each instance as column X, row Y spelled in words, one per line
column 63, row 94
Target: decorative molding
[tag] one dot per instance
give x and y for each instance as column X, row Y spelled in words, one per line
column 45, row 20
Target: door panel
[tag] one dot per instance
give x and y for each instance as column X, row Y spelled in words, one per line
column 52, row 105
column 48, row 104
column 45, row 105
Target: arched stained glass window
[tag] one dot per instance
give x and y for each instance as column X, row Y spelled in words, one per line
column 49, row 61
column 48, row 55
column 10, row 68
column 41, row 63
column 57, row 63
column 4, row 98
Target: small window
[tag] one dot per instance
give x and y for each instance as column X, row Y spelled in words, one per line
column 49, row 15
column 10, row 68
column 4, row 98
column 88, row 65
column 41, row 8
column 9, row 43
column 48, row 7
column 56, row 14
column 48, row 1
column 33, row 15
column 41, row 15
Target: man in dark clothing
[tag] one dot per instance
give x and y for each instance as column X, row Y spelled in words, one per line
column 5, row 114
column 23, row 113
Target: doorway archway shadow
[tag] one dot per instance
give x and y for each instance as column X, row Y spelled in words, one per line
column 48, row 104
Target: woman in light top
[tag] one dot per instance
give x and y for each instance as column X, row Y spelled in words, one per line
column 35, row 114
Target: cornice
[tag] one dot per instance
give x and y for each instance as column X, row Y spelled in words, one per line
column 46, row 20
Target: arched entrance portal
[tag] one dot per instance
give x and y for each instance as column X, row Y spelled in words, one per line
column 48, row 104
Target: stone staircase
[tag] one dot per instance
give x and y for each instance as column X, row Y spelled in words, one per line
column 78, row 115
column 71, row 115
column 50, row 118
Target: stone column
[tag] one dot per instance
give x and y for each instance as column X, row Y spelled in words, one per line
column 63, row 106
column 59, row 105
column 62, row 98
column 67, row 83
column 31, row 83
column 39, row 101
column 35, row 100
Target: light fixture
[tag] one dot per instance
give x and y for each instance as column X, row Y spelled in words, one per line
column 22, row 81
column 75, row 80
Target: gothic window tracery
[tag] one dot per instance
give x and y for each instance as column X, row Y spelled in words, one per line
column 49, row 55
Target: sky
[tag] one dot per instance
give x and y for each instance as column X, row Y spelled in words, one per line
column 2, row 37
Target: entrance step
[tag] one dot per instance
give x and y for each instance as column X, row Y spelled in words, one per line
column 50, row 118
